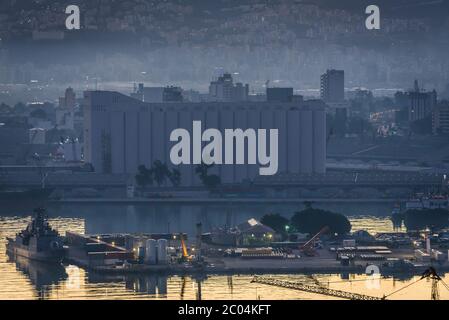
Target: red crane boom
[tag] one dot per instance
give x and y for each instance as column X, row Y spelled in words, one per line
column 308, row 246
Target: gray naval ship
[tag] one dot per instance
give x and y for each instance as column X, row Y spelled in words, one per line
column 38, row 241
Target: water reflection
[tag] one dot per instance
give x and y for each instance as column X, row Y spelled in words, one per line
column 107, row 218
column 25, row 280
column 153, row 285
column 42, row 275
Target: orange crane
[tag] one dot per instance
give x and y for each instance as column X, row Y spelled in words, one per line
column 308, row 247
column 185, row 254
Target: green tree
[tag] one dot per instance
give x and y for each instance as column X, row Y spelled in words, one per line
column 308, row 204
column 276, row 222
column 144, row 176
column 175, row 177
column 426, row 218
column 312, row 221
column 201, row 171
column 160, row 172
column 210, row 181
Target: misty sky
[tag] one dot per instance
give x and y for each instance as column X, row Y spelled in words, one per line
column 189, row 42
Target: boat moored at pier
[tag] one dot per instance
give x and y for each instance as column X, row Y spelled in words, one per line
column 39, row 241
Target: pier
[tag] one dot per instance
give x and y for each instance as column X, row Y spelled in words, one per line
column 219, row 200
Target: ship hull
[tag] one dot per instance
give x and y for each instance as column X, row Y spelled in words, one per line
column 53, row 256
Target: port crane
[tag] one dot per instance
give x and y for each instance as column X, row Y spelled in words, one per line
column 308, row 248
column 430, row 273
column 185, row 254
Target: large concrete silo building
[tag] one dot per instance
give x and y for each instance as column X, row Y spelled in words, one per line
column 121, row 133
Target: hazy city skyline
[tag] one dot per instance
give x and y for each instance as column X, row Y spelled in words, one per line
column 290, row 43
column 224, row 149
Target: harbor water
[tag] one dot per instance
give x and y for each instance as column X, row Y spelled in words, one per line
column 22, row 279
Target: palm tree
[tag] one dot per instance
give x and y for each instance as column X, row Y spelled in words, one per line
column 175, row 177
column 160, row 172
column 201, row 171
column 144, row 176
column 212, row 181
column 209, row 181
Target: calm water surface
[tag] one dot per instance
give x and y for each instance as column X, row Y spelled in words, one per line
column 22, row 279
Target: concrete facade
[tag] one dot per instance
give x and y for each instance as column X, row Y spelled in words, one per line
column 332, row 86
column 440, row 119
column 421, row 104
column 122, row 133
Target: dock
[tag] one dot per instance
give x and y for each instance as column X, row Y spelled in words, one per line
column 188, row 201
column 125, row 254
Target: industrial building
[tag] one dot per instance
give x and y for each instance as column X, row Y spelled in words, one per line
column 157, row 94
column 224, row 90
column 332, row 86
column 279, row 94
column 68, row 102
column 421, row 104
column 440, row 119
column 122, row 133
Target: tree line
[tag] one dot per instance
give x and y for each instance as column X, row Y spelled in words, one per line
column 160, row 173
column 309, row 221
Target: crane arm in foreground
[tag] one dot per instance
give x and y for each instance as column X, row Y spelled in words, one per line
column 313, row 289
column 428, row 274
